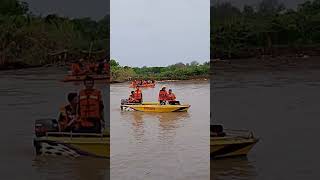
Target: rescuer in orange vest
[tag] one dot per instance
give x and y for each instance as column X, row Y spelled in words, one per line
column 163, row 95
column 132, row 98
column 138, row 95
column 171, row 97
column 68, row 113
column 90, row 108
column 76, row 69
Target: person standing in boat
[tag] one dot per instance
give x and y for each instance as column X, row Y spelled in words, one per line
column 138, row 95
column 171, row 97
column 68, row 113
column 90, row 108
column 163, row 95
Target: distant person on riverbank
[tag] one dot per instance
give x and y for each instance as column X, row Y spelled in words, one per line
column 68, row 113
column 171, row 97
column 138, row 95
column 163, row 95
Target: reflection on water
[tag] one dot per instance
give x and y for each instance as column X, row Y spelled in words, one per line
column 161, row 145
column 168, row 123
column 70, row 168
column 282, row 108
column 235, row 168
column 27, row 95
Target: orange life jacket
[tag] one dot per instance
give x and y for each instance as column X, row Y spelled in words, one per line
column 89, row 101
column 75, row 68
column 131, row 99
column 138, row 94
column 163, row 95
column 171, row 97
column 64, row 118
column 90, row 67
column 106, row 67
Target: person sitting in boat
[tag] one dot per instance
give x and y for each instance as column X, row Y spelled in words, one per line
column 100, row 66
column 163, row 94
column 106, row 66
column 138, row 95
column 145, row 82
column 134, row 83
column 171, row 98
column 90, row 108
column 76, row 69
column 132, row 98
column 68, row 113
column 90, row 67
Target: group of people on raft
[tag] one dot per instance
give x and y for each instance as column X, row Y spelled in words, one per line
column 84, row 112
column 142, row 83
column 80, row 68
column 164, row 96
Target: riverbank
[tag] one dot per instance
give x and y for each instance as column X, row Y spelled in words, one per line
column 267, row 63
column 166, row 80
column 21, row 65
column 178, row 71
column 30, row 40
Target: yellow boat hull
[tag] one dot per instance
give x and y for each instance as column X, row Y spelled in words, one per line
column 157, row 108
column 74, row 146
column 221, row 147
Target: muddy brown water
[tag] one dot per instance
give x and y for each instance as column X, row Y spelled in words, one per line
column 161, row 145
column 282, row 108
column 31, row 94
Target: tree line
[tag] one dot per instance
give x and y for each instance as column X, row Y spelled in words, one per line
column 178, row 71
column 29, row 39
column 266, row 28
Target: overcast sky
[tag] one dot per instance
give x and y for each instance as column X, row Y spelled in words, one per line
column 160, row 33
column 96, row 9
column 241, row 3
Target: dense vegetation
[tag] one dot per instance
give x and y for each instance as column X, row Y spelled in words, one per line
column 178, row 71
column 27, row 39
column 265, row 29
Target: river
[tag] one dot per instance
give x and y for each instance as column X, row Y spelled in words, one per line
column 161, row 145
column 282, row 108
column 31, row 94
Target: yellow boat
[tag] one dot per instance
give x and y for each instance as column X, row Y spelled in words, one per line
column 154, row 107
column 231, row 143
column 72, row 144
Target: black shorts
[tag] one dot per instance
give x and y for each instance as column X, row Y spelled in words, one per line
column 162, row 102
column 174, row 102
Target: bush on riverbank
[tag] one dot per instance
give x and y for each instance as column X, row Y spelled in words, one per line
column 179, row 71
column 34, row 40
column 268, row 29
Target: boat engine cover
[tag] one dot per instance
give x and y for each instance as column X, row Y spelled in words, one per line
column 124, row 101
column 42, row 126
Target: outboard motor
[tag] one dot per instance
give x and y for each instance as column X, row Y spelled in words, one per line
column 217, row 130
column 124, row 101
column 42, row 126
